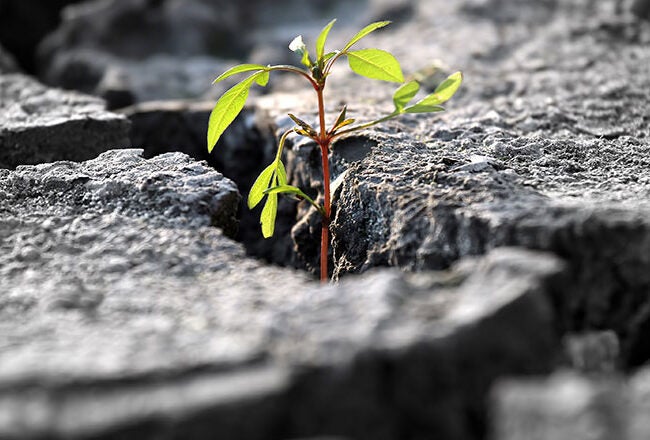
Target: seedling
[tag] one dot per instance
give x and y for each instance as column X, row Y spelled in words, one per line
column 370, row 63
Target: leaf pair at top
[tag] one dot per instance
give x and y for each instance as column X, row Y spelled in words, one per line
column 371, row 63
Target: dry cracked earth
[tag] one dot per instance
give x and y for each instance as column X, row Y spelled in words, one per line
column 490, row 265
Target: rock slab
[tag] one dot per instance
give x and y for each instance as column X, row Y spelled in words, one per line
column 40, row 124
column 124, row 313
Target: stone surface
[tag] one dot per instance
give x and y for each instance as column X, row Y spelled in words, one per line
column 641, row 8
column 564, row 406
column 545, row 146
column 179, row 46
column 41, row 124
column 569, row 405
column 7, row 62
column 593, row 352
column 165, row 126
column 122, row 81
column 125, row 313
column 138, row 28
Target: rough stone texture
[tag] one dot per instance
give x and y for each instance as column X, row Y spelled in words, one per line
column 546, row 146
column 125, row 314
column 41, row 124
column 165, row 126
column 593, row 352
column 568, row 405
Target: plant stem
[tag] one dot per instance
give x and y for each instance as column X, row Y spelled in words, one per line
column 324, row 142
column 296, row 70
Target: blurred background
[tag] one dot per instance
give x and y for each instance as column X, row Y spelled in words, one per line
column 137, row 50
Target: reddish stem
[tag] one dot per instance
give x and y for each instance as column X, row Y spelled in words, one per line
column 324, row 142
column 324, row 241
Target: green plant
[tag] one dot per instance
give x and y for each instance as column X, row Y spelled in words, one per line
column 370, row 63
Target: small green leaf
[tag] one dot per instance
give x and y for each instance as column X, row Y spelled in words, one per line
column 444, row 91
column 423, row 108
column 263, row 181
column 341, row 117
column 289, row 189
column 305, row 126
column 328, row 55
column 228, row 107
column 269, row 212
column 345, row 123
column 286, row 189
column 281, row 173
column 375, row 64
column 449, row 86
column 262, row 78
column 301, row 132
column 320, row 42
column 298, row 46
column 404, row 94
column 241, row 68
column 365, row 31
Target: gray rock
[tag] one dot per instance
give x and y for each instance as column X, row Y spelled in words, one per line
column 641, row 8
column 639, row 405
column 569, row 405
column 41, row 124
column 7, row 62
column 124, row 313
column 166, row 126
column 123, row 81
column 564, row 406
column 593, row 352
column 134, row 29
column 564, row 146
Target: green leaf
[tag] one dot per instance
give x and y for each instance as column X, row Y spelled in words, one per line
column 320, row 42
column 375, row 64
column 241, row 68
column 329, row 55
column 228, row 107
column 262, row 78
column 444, row 91
column 305, row 126
column 341, row 117
column 263, row 181
column 298, row 46
column 404, row 94
column 281, row 173
column 365, row 31
column 269, row 212
column 289, row 189
column 423, row 108
column 342, row 124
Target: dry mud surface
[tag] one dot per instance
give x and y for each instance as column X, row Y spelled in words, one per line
column 506, row 237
